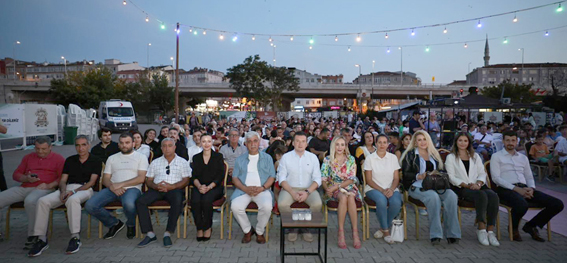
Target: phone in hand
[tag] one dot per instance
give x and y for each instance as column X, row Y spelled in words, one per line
column 34, row 175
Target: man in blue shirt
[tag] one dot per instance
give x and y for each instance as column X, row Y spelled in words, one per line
column 415, row 123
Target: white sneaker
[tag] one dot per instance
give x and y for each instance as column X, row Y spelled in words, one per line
column 482, row 237
column 423, row 212
column 492, row 239
column 292, row 237
column 388, row 239
column 308, row 237
column 378, row 234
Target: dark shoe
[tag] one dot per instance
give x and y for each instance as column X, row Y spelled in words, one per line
column 112, row 231
column 74, row 245
column 131, row 232
column 435, row 241
column 205, row 239
column 147, row 240
column 533, row 232
column 167, row 241
column 37, row 248
column 452, row 240
column 516, row 236
column 260, row 239
column 30, row 242
column 248, row 236
column 199, row 239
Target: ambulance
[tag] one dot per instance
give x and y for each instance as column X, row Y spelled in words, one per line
column 117, row 115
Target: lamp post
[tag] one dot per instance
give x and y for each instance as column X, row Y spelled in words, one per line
column 372, row 93
column 14, row 53
column 65, row 63
column 359, row 87
column 401, row 66
column 148, row 55
column 522, row 75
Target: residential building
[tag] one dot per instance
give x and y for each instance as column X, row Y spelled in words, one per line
column 332, row 79
column 46, row 71
column 306, row 78
column 200, row 75
column 388, row 78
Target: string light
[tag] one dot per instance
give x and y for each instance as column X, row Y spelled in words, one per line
column 479, row 25
column 546, row 33
column 253, row 37
column 162, row 25
column 505, row 41
column 272, row 44
column 348, row 48
column 427, row 49
column 204, row 32
column 358, row 38
column 515, row 18
column 386, row 36
column 124, row 3
column 195, row 32
column 445, row 30
column 190, row 30
column 336, row 38
column 412, row 32
column 147, row 19
column 311, row 40
column 559, row 8
column 466, row 45
column 291, row 38
column 234, row 38
column 270, row 39
column 310, row 47
column 221, row 37
column 388, row 51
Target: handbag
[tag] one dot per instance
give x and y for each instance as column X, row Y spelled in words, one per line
column 397, row 232
column 437, row 181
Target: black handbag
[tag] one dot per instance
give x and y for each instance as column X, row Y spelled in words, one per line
column 437, row 181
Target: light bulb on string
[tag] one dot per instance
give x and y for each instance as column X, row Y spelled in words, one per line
column 388, row 51
column 515, row 18
column 336, row 38
column 559, row 8
column 147, row 19
column 505, row 41
column 270, row 39
column 412, row 32
column 221, row 37
column 253, row 37
column 162, row 25
column 195, row 32
column 234, row 38
column 546, row 33
column 445, row 30
column 311, row 40
column 466, row 45
column 348, row 49
column 386, row 36
column 427, row 49
column 358, row 38
column 291, row 38
column 479, row 25
column 124, row 3
column 272, row 44
column 204, row 32
column 190, row 30
column 310, row 47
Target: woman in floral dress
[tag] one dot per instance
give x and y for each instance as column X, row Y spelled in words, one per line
column 338, row 174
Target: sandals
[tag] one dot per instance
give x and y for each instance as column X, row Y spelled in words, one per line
column 356, row 239
column 341, row 238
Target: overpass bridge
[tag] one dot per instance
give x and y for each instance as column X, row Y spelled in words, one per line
column 22, row 91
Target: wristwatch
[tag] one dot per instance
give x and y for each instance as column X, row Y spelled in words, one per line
column 307, row 190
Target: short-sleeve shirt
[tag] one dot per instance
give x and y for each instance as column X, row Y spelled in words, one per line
column 319, row 145
column 382, row 170
column 124, row 167
column 178, row 169
column 412, row 125
column 80, row 173
column 539, row 151
column 479, row 136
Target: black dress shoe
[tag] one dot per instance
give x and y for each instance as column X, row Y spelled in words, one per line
column 435, row 241
column 533, row 232
column 131, row 232
column 452, row 240
column 114, row 230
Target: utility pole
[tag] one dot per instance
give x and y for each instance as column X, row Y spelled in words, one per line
column 177, row 78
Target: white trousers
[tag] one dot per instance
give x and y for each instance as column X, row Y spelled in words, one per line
column 30, row 196
column 73, row 204
column 264, row 202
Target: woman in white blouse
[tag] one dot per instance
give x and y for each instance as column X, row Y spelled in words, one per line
column 467, row 175
column 139, row 145
column 382, row 180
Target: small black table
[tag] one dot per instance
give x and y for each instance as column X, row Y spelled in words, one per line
column 317, row 221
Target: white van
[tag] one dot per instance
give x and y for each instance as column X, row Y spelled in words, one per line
column 117, row 115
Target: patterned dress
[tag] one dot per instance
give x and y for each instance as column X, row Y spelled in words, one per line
column 337, row 173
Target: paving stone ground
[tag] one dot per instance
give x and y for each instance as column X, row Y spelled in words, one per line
column 121, row 249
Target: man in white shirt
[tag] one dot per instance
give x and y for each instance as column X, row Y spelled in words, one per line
column 299, row 176
column 196, row 148
column 516, row 187
column 561, row 148
column 123, row 177
column 484, row 141
column 253, row 177
column 166, row 179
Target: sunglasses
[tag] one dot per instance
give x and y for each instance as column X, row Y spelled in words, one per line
column 167, row 170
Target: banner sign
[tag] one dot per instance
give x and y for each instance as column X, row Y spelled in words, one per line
column 41, row 119
column 12, row 116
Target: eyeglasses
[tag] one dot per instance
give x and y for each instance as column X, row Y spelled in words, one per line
column 167, row 170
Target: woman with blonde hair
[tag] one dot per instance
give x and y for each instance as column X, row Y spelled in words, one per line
column 417, row 160
column 338, row 174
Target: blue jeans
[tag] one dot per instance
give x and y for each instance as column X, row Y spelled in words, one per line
column 386, row 208
column 95, row 206
column 433, row 201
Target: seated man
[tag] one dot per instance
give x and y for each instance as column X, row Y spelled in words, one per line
column 123, row 177
column 516, row 187
column 106, row 147
column 167, row 177
column 253, row 177
column 195, row 149
column 320, row 145
column 180, row 148
column 232, row 149
column 80, row 173
column 299, row 175
column 483, row 140
column 39, row 173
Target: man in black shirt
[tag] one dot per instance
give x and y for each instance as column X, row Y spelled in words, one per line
column 80, row 174
column 106, row 147
column 180, row 148
column 415, row 123
column 320, row 145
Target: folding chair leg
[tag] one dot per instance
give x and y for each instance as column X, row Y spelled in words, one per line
column 89, row 226
column 367, row 236
column 549, row 231
column 178, row 226
column 230, row 225
column 267, row 230
column 459, row 215
column 184, row 223
column 157, row 216
column 326, row 214
column 510, row 225
column 498, row 226
column 99, row 229
column 404, row 211
column 416, row 222
column 222, row 223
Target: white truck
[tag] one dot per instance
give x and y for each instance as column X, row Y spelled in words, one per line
column 117, row 115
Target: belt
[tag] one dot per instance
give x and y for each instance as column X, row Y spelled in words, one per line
column 520, row 185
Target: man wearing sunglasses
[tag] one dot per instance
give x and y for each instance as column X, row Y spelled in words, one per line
column 166, row 178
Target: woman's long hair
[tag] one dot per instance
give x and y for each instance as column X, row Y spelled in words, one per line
column 400, row 145
column 332, row 156
column 430, row 148
column 455, row 148
column 363, row 139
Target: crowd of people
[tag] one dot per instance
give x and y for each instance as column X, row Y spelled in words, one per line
column 278, row 163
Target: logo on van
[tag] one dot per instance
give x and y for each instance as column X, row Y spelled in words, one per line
column 41, row 121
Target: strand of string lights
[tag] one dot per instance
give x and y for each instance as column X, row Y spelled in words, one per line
column 357, row 34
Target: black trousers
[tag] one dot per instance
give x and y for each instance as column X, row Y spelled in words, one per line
column 173, row 197
column 3, row 185
column 485, row 201
column 551, row 206
column 202, row 206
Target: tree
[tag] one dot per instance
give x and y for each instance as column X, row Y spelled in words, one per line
column 518, row 93
column 160, row 95
column 85, row 88
column 257, row 80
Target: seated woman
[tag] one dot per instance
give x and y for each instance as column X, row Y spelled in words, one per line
column 468, row 177
column 338, row 174
column 382, row 180
column 403, row 144
column 139, row 145
column 208, row 174
column 419, row 158
column 365, row 149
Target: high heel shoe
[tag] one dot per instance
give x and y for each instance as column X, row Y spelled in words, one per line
column 341, row 238
column 356, row 239
column 205, row 239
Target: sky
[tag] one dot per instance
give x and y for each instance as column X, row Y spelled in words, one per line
column 103, row 29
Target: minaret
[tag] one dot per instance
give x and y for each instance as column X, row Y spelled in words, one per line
column 486, row 53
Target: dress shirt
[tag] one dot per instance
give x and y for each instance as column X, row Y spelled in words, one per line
column 230, row 154
column 48, row 169
column 144, row 149
column 299, row 171
column 508, row 169
column 192, row 151
column 178, row 169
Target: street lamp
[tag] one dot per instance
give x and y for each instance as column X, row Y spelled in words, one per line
column 401, row 66
column 372, row 93
column 148, row 58
column 359, row 86
column 14, row 53
column 274, row 55
column 522, row 75
column 65, row 62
